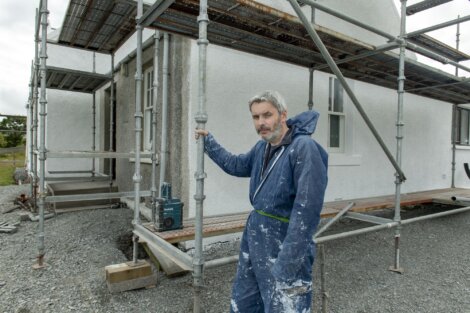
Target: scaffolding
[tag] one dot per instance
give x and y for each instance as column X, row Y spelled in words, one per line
column 255, row 28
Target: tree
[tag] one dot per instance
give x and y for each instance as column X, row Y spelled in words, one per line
column 3, row 141
column 16, row 129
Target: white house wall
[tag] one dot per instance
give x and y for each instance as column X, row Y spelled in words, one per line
column 70, row 114
column 363, row 169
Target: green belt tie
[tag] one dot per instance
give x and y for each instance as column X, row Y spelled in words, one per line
column 279, row 218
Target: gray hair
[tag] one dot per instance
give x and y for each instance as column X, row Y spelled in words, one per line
column 272, row 97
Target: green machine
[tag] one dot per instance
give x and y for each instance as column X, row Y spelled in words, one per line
column 169, row 211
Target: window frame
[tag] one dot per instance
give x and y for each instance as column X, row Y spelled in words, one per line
column 460, row 114
column 149, row 95
column 336, row 91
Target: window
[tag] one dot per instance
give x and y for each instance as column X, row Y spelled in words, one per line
column 335, row 116
column 148, row 105
column 462, row 119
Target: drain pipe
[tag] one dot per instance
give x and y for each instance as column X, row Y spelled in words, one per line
column 153, row 188
column 201, row 120
column 164, row 148
column 310, row 91
column 138, row 128
column 400, row 124
column 42, row 139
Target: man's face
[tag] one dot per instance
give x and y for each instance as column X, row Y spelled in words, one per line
column 267, row 120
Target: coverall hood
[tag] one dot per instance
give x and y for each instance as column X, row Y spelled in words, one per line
column 304, row 124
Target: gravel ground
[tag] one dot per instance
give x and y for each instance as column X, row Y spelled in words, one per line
column 435, row 257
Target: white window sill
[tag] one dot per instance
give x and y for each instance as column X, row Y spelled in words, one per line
column 462, row 147
column 341, row 159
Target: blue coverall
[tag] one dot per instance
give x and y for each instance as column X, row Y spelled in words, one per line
column 274, row 273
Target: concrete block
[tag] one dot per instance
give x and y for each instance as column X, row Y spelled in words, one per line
column 129, row 276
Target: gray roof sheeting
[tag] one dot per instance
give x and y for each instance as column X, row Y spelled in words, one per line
column 254, row 28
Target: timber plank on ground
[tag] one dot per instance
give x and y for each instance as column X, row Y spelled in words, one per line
column 233, row 223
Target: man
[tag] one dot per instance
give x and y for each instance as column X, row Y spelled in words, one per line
column 288, row 172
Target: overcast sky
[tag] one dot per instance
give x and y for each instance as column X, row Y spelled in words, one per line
column 17, row 45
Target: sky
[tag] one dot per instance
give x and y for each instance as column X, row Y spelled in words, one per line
column 17, row 41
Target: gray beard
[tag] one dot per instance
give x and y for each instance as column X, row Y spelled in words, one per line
column 275, row 134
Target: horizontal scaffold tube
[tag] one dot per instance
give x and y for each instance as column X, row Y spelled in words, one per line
column 388, row 225
column 344, row 17
column 96, row 196
column 95, row 154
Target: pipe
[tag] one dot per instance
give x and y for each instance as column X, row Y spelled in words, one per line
column 454, row 112
column 457, row 43
column 156, row 71
column 312, row 15
column 436, row 56
column 93, row 131
column 93, row 126
column 377, row 50
column 221, row 262
column 164, row 145
column 147, row 43
column 201, row 120
column 400, row 124
column 138, row 127
column 111, row 124
column 36, row 111
column 454, row 138
column 42, row 136
column 438, row 26
column 321, row 47
column 324, row 293
column 388, row 225
column 310, row 89
column 463, row 81
column 334, row 219
column 30, row 108
column 346, row 18
column 463, row 199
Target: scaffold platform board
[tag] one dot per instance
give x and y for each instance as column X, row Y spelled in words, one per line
column 233, row 223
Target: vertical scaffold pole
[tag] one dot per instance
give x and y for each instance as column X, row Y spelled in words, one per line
column 311, row 70
column 164, row 145
column 111, row 124
column 457, row 44
column 324, row 293
column 93, row 125
column 156, row 71
column 42, row 136
column 138, row 127
column 454, row 112
column 30, row 108
column 35, row 112
column 400, row 124
column 200, row 175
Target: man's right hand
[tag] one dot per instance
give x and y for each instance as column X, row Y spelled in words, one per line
column 200, row 132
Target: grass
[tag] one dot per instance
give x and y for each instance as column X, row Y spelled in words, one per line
column 7, row 169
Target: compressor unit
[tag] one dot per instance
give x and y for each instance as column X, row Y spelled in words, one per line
column 169, row 211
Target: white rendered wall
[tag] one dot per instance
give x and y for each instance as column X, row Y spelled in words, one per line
column 363, row 169
column 70, row 114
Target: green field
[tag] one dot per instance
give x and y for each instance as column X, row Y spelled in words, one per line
column 7, row 169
